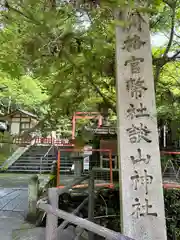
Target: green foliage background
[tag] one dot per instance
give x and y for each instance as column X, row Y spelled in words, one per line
column 57, row 58
column 172, row 206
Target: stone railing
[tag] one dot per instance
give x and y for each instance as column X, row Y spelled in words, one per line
column 53, row 232
column 13, row 157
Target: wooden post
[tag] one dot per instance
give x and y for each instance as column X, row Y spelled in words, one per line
column 91, row 203
column 142, row 201
column 58, row 168
column 101, row 161
column 33, row 189
column 110, row 167
column 65, row 223
column 52, row 220
column 115, row 162
column 73, row 126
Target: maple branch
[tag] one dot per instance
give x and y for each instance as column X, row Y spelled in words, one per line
column 105, row 99
column 89, row 77
column 174, row 57
column 156, row 75
column 173, row 6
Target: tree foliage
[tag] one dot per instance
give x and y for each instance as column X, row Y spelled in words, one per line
column 24, row 91
column 68, row 51
column 172, row 208
column 59, row 56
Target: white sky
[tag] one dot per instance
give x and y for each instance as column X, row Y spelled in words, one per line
column 158, row 40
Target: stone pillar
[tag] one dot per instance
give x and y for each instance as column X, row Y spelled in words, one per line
column 78, row 166
column 91, row 203
column 33, row 189
column 141, row 189
column 52, row 220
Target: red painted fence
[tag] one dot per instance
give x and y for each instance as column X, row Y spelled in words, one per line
column 36, row 140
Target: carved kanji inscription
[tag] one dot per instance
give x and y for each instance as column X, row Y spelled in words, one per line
column 139, row 133
column 145, row 180
column 137, row 112
column 142, row 210
column 133, row 43
column 134, row 64
column 135, row 20
column 136, row 87
column 140, row 158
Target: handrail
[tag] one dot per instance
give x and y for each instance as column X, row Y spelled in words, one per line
column 77, row 150
column 49, row 149
column 52, row 229
column 18, row 153
column 83, row 223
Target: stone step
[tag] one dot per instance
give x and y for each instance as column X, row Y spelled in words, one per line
column 30, row 167
column 33, row 171
column 37, row 168
column 34, row 155
column 43, row 149
column 40, row 151
column 39, row 147
column 43, row 159
column 26, row 171
column 37, row 157
column 31, row 163
column 38, row 165
column 39, row 162
column 43, row 164
column 35, row 160
column 48, row 156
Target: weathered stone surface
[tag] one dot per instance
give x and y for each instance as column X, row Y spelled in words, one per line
column 13, row 207
column 33, row 190
column 29, row 234
column 141, row 189
column 13, row 203
column 7, row 225
column 9, row 180
column 39, row 234
column 13, row 200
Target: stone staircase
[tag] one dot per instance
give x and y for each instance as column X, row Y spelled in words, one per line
column 39, row 159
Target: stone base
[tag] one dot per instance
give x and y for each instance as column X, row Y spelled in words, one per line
column 29, row 234
column 39, row 234
column 31, row 218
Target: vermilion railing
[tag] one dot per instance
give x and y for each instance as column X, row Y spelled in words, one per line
column 36, row 140
column 171, row 186
column 54, row 141
column 108, row 182
column 170, row 153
